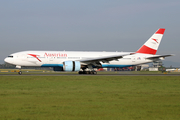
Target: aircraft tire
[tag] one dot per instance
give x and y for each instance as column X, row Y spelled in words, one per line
column 94, row 72
column 91, row 72
column 80, row 72
column 20, row 72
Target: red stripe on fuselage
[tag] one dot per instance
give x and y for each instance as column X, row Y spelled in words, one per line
column 146, row 50
column 35, row 56
column 160, row 31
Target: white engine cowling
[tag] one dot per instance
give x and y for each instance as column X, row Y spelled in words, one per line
column 71, row 66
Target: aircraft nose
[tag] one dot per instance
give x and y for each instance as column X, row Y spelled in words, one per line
column 8, row 60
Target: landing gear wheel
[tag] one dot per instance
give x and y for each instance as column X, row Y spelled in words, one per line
column 84, row 72
column 91, row 72
column 80, row 72
column 87, row 72
column 20, row 73
column 94, row 72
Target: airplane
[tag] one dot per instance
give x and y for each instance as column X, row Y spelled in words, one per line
column 85, row 62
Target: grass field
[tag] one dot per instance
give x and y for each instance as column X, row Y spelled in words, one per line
column 89, row 97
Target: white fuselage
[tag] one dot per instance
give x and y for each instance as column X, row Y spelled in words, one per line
column 56, row 58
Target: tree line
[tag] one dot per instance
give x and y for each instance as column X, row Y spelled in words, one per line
column 10, row 66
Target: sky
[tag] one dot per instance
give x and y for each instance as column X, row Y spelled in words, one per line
column 88, row 25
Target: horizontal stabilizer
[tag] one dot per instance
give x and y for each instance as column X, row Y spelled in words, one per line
column 159, row 56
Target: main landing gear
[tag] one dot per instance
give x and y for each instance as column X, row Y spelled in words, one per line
column 88, row 72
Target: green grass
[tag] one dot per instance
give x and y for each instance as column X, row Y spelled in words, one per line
column 89, row 97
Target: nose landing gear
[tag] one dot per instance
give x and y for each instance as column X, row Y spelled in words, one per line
column 20, row 72
column 19, row 67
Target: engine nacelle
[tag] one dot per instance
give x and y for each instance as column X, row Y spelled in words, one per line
column 71, row 66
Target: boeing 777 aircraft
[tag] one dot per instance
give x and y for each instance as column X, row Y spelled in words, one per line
column 85, row 62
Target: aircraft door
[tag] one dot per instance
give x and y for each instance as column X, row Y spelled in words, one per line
column 51, row 60
column 24, row 57
column 133, row 58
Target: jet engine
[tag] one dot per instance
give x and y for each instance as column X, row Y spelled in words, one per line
column 71, row 66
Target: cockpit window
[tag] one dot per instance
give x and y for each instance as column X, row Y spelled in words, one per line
column 10, row 56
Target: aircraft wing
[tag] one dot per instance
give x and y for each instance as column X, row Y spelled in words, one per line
column 159, row 56
column 104, row 59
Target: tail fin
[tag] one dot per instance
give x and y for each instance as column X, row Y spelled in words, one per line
column 152, row 44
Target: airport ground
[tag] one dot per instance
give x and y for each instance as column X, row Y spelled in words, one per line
column 89, row 97
column 35, row 72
